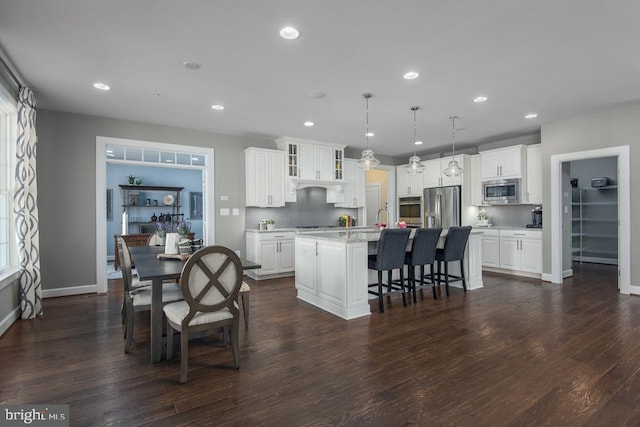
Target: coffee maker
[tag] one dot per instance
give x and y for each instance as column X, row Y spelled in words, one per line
column 536, row 218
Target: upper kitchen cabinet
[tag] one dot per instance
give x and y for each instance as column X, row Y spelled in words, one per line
column 502, row 163
column 432, row 175
column 264, row 173
column 311, row 160
column 534, row 174
column 353, row 191
column 408, row 184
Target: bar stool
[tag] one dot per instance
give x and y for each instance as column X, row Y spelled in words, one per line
column 453, row 250
column 390, row 255
column 423, row 252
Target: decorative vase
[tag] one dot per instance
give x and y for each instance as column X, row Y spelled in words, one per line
column 271, row 226
column 161, row 241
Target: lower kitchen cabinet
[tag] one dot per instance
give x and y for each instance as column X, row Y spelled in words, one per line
column 274, row 251
column 491, row 248
column 521, row 251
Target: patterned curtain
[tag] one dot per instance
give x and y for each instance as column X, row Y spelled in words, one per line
column 26, row 207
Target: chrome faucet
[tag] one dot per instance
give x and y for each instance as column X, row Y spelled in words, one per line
column 382, row 210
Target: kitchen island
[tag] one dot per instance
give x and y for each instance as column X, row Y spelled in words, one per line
column 331, row 270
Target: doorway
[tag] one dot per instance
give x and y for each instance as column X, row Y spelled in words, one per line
column 181, row 155
column 381, row 184
column 560, row 206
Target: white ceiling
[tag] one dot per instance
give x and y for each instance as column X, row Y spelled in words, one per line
column 558, row 58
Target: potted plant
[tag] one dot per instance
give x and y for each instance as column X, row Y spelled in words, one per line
column 132, row 179
column 183, row 228
column 271, row 224
column 483, row 218
column 162, row 228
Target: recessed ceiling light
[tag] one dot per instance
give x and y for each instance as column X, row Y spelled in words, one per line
column 411, row 75
column 370, row 134
column 480, row 99
column 155, row 94
column 418, row 143
column 289, row 33
column 309, row 124
column 217, row 107
column 101, row 86
column 531, row 116
column 190, row 65
column 317, row 94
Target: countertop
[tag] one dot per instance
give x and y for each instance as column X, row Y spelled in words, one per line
column 355, row 236
column 306, row 230
column 506, row 227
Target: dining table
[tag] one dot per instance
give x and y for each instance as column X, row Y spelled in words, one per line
column 151, row 268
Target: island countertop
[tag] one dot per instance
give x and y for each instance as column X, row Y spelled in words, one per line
column 353, row 236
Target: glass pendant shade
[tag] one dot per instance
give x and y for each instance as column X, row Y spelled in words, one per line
column 453, row 168
column 368, row 160
column 414, row 166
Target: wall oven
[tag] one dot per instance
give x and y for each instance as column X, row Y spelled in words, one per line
column 410, row 211
column 502, row 192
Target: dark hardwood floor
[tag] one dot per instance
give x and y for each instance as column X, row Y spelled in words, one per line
column 517, row 352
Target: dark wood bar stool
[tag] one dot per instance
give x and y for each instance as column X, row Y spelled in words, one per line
column 453, row 250
column 423, row 252
column 390, row 255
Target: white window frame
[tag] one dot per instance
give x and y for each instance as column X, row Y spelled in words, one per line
column 8, row 138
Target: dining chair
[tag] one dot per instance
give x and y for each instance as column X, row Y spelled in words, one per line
column 453, row 250
column 390, row 254
column 139, row 298
column 423, row 252
column 210, row 282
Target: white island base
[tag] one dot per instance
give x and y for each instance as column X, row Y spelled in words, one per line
column 332, row 270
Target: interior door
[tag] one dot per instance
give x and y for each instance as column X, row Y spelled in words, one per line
column 372, row 198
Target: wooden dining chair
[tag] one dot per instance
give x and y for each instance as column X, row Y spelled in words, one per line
column 210, row 282
column 139, row 298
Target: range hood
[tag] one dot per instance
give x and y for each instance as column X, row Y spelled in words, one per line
column 299, row 184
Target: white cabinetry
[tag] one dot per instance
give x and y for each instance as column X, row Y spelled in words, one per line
column 491, row 248
column 508, row 162
column 316, row 162
column 332, row 275
column 274, row 251
column 408, row 184
column 353, row 191
column 264, row 175
column 521, row 250
column 534, row 174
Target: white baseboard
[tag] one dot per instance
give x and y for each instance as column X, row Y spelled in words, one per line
column 546, row 277
column 567, row 273
column 73, row 290
column 9, row 319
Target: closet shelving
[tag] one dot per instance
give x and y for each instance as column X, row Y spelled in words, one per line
column 594, row 224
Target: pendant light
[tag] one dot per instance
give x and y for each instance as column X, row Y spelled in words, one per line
column 414, row 166
column 453, row 168
column 368, row 161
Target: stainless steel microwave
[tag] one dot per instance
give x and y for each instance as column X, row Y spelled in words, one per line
column 502, row 192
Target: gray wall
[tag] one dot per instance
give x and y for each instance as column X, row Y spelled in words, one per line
column 66, row 187
column 596, row 131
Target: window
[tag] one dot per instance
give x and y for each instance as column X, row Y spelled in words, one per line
column 8, row 135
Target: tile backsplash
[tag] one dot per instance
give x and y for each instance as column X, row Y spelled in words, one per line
column 311, row 208
column 510, row 216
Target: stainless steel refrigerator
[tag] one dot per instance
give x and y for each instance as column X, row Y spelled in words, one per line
column 442, row 207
